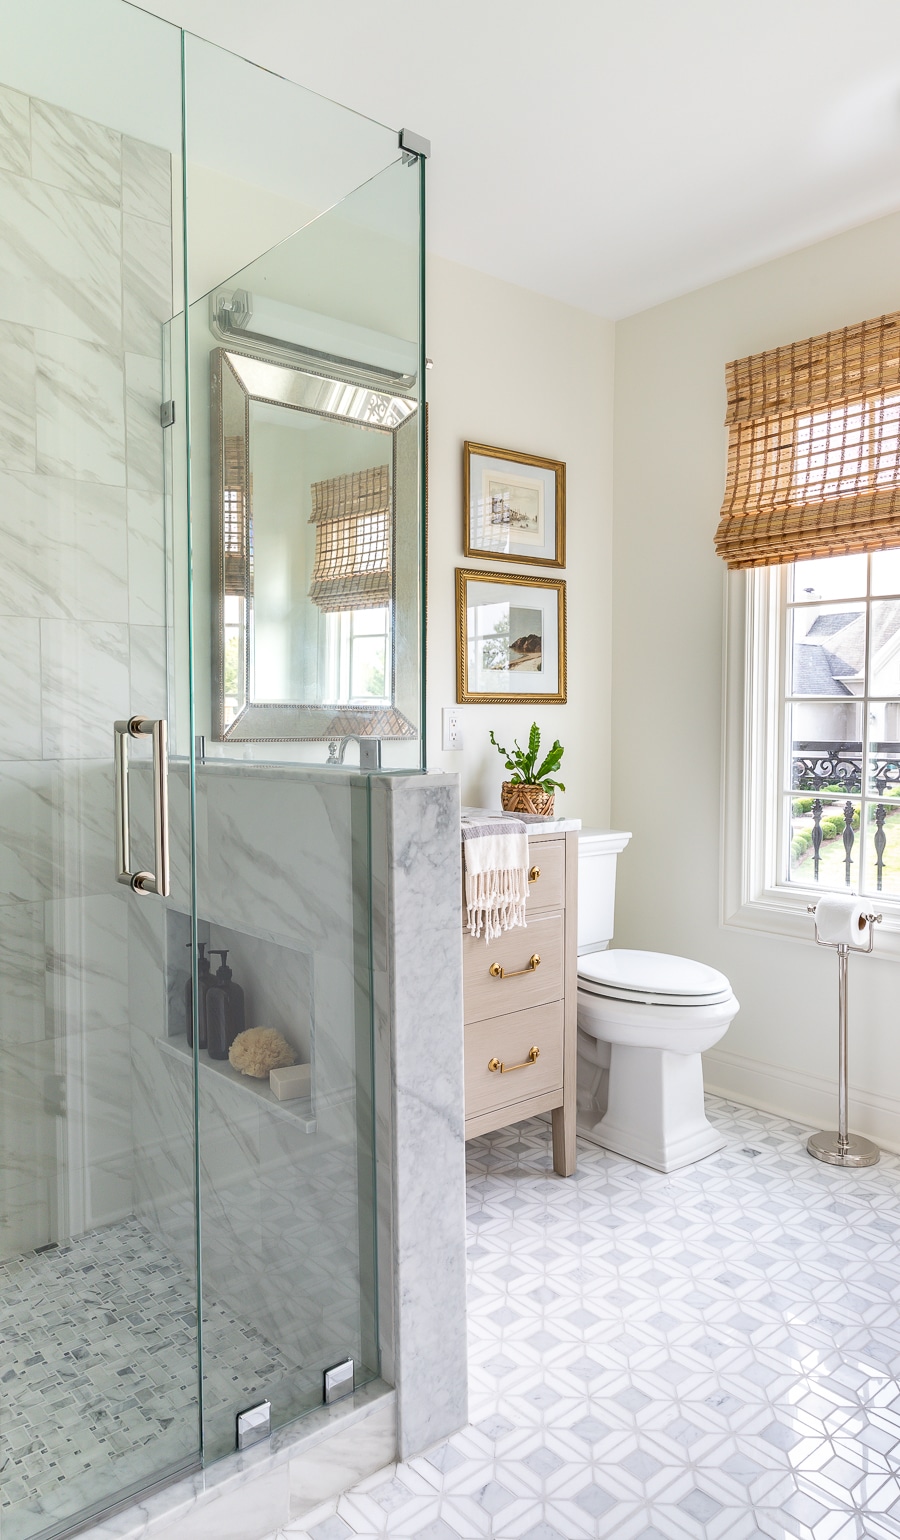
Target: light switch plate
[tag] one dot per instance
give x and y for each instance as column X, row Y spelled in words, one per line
column 452, row 734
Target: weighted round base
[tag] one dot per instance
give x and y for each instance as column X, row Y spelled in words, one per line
column 857, row 1152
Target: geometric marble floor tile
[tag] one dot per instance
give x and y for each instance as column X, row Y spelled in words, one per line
column 708, row 1355
column 98, row 1369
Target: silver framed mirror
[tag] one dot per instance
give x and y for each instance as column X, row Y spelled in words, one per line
column 314, row 553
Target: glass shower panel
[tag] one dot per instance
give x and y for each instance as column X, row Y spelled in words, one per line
column 97, row 1222
column 305, row 411
column 307, row 376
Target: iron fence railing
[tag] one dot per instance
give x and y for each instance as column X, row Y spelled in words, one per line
column 839, row 768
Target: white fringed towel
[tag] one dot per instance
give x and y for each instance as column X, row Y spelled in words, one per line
column 496, row 860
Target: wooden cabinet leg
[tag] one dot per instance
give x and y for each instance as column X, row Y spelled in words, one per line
column 563, row 1120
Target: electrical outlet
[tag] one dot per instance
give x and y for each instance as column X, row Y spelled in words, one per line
column 452, row 736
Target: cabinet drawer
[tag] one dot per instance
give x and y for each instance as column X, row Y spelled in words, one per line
column 486, row 995
column 548, row 890
column 510, row 1040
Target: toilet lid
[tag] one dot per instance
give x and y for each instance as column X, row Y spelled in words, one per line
column 652, row 977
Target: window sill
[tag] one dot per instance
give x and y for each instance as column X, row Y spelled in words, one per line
column 784, row 912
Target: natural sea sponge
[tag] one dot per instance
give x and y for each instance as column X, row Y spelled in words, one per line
column 258, row 1050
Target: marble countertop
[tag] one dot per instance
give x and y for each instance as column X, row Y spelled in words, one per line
column 535, row 824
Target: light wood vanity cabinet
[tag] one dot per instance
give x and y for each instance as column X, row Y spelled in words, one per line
column 520, row 1014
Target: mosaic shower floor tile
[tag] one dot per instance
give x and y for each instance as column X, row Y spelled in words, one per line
column 708, row 1355
column 99, row 1362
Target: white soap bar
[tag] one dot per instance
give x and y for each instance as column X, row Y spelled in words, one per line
column 289, row 1083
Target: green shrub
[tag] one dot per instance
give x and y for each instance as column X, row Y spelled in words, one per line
column 802, row 806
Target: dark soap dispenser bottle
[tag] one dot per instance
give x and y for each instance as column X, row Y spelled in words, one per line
column 224, row 1010
column 204, row 980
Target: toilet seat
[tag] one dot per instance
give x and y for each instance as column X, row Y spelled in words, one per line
column 651, row 978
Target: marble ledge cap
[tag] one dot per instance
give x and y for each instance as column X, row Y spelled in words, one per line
column 536, row 823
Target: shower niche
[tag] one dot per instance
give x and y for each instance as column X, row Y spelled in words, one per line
column 275, row 982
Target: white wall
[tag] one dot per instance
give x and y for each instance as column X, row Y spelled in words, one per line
column 670, row 449
column 519, row 371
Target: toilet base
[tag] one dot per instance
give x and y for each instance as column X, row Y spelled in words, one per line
column 656, row 1113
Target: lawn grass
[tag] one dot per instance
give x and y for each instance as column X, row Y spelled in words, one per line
column 832, row 872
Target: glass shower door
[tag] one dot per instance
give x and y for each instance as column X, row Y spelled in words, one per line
column 97, row 1222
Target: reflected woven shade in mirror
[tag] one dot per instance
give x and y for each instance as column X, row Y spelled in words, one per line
column 236, row 544
column 352, row 515
column 814, row 448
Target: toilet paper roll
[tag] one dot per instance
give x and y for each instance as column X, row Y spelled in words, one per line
column 841, row 920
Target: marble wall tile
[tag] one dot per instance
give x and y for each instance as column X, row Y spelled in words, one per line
column 163, row 1144
column 146, row 180
column 106, row 1070
column 144, row 435
column 79, row 400
column 17, row 405
column 87, row 962
column 108, row 1191
column 61, row 261
column 26, row 857
column 148, row 670
column 20, row 688
column 428, row 1178
column 15, row 131
column 85, row 686
column 22, row 968
column 146, row 558
column 82, row 829
column 64, row 548
column 147, row 284
column 75, row 153
column 24, row 1215
column 279, row 851
column 27, row 1134
column 147, row 962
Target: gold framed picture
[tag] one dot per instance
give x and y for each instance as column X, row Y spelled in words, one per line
column 510, row 639
column 514, row 506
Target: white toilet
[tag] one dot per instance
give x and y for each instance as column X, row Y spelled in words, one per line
column 644, row 1018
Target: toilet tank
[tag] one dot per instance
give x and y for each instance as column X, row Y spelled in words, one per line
column 597, row 852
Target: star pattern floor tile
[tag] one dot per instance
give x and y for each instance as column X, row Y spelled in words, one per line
column 709, row 1355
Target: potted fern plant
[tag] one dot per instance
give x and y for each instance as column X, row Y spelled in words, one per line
column 531, row 788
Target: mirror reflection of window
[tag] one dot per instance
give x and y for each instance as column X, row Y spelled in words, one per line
column 358, row 657
column 233, row 625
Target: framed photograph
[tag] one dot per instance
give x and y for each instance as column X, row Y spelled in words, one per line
column 510, row 639
column 514, row 506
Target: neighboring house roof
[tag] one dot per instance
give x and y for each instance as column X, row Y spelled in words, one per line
column 829, row 625
column 818, row 671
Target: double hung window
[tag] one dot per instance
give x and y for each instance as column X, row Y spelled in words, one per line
column 812, row 515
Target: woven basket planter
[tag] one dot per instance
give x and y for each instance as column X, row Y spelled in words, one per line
column 518, row 797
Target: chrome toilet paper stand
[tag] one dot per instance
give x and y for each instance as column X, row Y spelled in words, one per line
column 843, row 1148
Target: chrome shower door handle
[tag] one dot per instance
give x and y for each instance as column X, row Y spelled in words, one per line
column 143, row 882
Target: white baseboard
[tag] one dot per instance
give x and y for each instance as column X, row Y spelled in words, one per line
column 804, row 1097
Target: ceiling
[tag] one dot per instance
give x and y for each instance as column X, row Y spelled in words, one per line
column 609, row 153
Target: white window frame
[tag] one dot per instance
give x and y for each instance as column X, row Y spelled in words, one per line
column 340, row 638
column 752, row 897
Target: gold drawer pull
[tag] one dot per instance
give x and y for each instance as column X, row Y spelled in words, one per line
column 496, row 970
column 534, row 874
column 506, row 1069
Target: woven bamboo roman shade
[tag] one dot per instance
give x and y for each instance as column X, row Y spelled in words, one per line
column 352, row 515
column 814, row 448
column 235, row 534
